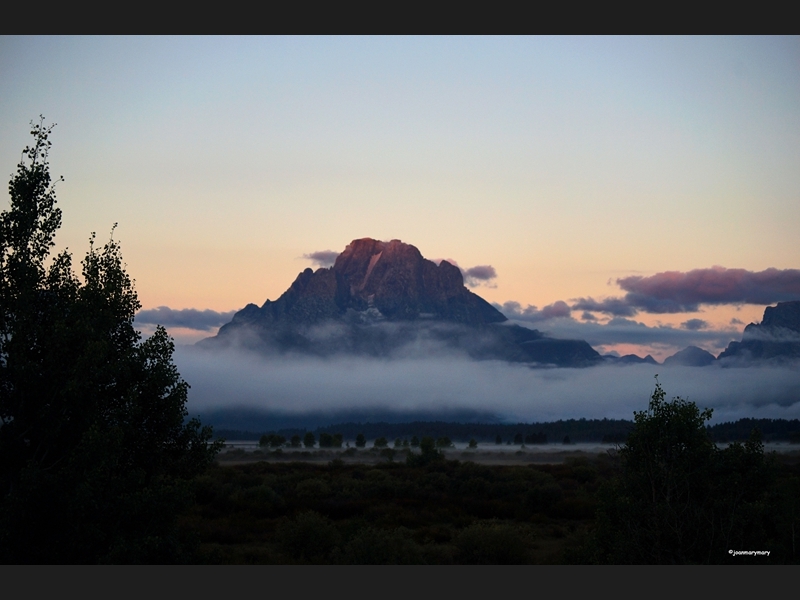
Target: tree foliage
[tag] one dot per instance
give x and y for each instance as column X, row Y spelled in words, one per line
column 96, row 453
column 678, row 498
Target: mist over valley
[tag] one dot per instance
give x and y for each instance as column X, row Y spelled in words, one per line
column 383, row 334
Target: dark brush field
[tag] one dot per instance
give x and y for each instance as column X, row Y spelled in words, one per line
column 359, row 507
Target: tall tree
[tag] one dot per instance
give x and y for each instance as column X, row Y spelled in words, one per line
column 678, row 498
column 96, row 453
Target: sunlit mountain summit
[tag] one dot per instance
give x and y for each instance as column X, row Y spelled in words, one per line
column 384, row 299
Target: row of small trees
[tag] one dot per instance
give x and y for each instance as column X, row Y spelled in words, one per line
column 336, row 440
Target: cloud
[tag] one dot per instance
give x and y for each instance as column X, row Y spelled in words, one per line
column 621, row 330
column 479, row 275
column 617, row 307
column 675, row 291
column 531, row 314
column 317, row 391
column 322, row 258
column 695, row 324
column 187, row 318
column 556, row 320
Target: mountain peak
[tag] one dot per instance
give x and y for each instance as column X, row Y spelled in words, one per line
column 380, row 298
column 390, row 279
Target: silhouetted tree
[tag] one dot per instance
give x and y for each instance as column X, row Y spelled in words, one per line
column 309, row 440
column 679, row 499
column 96, row 455
column 429, row 453
column 361, row 441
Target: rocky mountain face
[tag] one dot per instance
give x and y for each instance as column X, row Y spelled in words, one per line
column 384, row 298
column 391, row 278
column 776, row 338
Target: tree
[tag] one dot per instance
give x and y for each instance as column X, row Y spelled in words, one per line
column 361, row 441
column 309, row 440
column 96, row 454
column 273, row 440
column 429, row 453
column 444, row 442
column 678, row 498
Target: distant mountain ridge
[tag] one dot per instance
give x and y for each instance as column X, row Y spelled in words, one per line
column 385, row 299
column 380, row 298
column 776, row 338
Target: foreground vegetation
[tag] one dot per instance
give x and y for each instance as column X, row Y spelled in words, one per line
column 97, row 456
column 445, row 512
column 668, row 495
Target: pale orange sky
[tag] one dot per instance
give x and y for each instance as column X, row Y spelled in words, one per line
column 565, row 163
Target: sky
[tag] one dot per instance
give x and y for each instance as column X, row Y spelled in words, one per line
column 641, row 193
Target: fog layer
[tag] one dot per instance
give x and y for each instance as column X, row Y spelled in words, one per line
column 298, row 390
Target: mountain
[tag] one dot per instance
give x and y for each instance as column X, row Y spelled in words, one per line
column 775, row 339
column 385, row 299
column 691, row 356
column 630, row 359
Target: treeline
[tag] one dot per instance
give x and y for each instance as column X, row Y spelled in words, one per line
column 772, row 430
column 577, row 430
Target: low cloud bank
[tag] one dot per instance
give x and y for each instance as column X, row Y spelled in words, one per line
column 681, row 292
column 186, row 318
column 556, row 320
column 315, row 391
column 628, row 331
column 674, row 291
column 531, row 314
